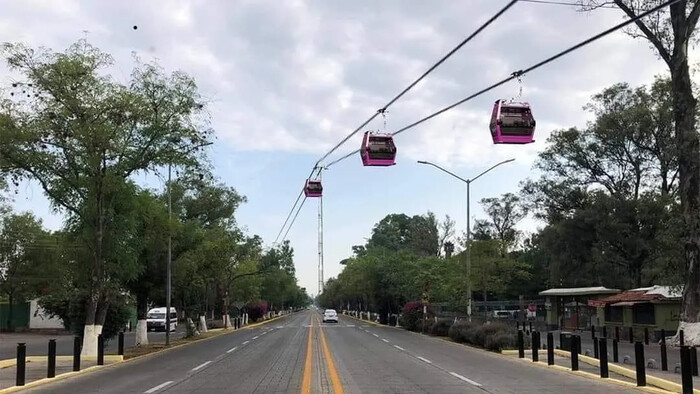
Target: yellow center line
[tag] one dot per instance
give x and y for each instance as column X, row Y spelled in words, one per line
column 306, row 381
column 335, row 378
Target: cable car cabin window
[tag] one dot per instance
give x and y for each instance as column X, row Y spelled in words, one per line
column 315, row 187
column 516, row 121
column 381, row 148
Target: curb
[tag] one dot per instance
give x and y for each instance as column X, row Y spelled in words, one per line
column 666, row 385
column 591, row 376
column 63, row 376
column 11, row 362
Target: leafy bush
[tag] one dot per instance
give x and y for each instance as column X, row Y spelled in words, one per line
column 412, row 316
column 501, row 340
column 257, row 310
column 458, row 331
column 442, row 327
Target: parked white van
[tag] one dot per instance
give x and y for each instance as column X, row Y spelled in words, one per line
column 155, row 319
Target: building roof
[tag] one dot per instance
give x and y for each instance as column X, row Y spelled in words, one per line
column 575, row 291
column 643, row 294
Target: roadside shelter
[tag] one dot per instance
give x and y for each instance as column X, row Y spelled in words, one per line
column 654, row 308
column 568, row 308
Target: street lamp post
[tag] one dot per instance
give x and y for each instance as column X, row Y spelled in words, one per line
column 469, row 236
column 169, row 273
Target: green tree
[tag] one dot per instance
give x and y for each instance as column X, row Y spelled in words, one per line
column 670, row 33
column 25, row 248
column 80, row 135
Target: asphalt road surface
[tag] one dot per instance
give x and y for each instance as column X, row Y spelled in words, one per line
column 298, row 353
column 38, row 344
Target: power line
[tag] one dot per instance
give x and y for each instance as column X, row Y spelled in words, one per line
column 414, row 83
column 567, row 3
column 521, row 72
column 294, row 206
column 396, row 98
column 293, row 220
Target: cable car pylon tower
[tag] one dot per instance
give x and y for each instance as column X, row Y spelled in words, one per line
column 320, row 234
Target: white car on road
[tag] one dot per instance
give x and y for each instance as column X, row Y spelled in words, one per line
column 330, row 315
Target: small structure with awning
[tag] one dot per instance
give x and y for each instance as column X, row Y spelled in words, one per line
column 568, row 308
column 653, row 308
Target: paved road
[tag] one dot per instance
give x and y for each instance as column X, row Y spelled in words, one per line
column 297, row 353
column 37, row 344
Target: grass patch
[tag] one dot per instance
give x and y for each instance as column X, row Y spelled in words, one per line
column 137, row 351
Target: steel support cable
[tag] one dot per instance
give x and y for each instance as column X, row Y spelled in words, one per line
column 521, row 72
column 396, row 98
column 293, row 220
column 291, row 211
column 425, row 74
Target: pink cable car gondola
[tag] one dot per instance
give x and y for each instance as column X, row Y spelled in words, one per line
column 378, row 149
column 313, row 189
column 512, row 123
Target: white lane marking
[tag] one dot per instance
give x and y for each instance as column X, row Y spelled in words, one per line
column 232, row 349
column 385, row 340
column 263, row 333
column 280, row 326
column 458, row 376
column 424, row 359
column 350, row 325
column 399, row 347
column 256, row 337
column 376, row 335
column 158, row 387
column 246, row 342
column 200, row 366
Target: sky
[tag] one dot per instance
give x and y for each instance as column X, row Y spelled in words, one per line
column 288, row 80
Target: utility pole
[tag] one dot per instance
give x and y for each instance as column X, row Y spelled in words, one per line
column 320, row 236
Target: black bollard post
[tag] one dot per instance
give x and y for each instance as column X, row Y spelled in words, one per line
column 686, row 373
column 631, row 335
column 535, row 347
column 603, row 343
column 694, row 360
column 530, row 326
column 639, row 362
column 51, row 368
column 561, row 340
column 550, row 348
column 593, row 332
column 646, row 335
column 578, row 344
column 681, row 337
column 605, row 332
column 615, row 352
column 595, row 348
column 100, row 350
column 617, row 333
column 120, row 344
column 76, row 353
column 664, row 356
column 574, row 352
column 21, row 364
column 521, row 344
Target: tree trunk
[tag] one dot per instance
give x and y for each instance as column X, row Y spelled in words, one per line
column 141, row 314
column 224, row 312
column 90, row 330
column 688, row 146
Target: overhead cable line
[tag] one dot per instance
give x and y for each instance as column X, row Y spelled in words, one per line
column 291, row 211
column 567, row 3
column 393, row 100
column 414, row 83
column 294, row 219
column 519, row 73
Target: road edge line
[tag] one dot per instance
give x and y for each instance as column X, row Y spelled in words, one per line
column 63, row 376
